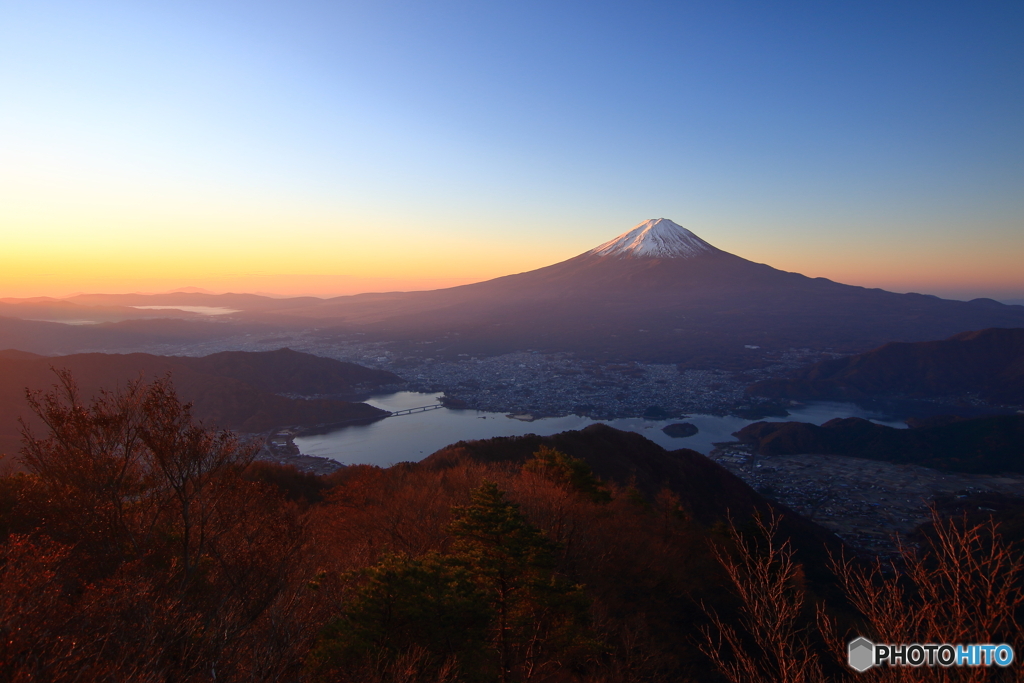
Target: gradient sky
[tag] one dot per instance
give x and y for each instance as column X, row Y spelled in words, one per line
column 332, row 147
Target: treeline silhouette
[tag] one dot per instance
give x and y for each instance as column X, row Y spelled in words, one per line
column 247, row 391
column 992, row 444
column 987, row 364
column 141, row 546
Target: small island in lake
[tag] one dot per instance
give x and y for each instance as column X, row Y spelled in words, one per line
column 679, row 430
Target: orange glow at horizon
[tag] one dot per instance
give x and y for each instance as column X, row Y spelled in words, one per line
column 317, row 257
column 279, row 247
column 281, row 285
column 155, row 146
column 61, row 274
column 902, row 264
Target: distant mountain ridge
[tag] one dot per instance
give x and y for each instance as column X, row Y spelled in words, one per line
column 983, row 445
column 113, row 308
column 234, row 390
column 656, row 293
column 988, row 363
column 15, row 354
column 291, row 372
column 51, row 338
column 249, row 302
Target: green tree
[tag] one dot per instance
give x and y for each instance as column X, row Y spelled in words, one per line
column 536, row 612
column 494, row 608
column 427, row 609
column 570, row 473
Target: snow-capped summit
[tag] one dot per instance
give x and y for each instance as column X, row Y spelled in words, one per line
column 656, row 238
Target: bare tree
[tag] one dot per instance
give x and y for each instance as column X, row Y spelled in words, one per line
column 94, row 466
column 964, row 586
column 190, row 459
column 772, row 645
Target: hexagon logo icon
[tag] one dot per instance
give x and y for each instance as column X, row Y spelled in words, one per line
column 862, row 654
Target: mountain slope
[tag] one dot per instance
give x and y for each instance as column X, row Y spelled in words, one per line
column 217, row 385
column 656, row 238
column 987, row 363
column 983, row 445
column 657, row 292
column 709, row 493
column 290, row 372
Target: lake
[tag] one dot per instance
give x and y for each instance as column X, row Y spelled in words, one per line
column 414, row 437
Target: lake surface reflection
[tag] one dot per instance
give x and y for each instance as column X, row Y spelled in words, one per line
column 414, row 437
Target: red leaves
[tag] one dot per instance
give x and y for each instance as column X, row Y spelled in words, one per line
column 146, row 554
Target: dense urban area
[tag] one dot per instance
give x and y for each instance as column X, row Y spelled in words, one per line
column 867, row 503
column 538, row 383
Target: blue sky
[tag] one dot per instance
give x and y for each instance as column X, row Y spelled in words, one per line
column 880, row 144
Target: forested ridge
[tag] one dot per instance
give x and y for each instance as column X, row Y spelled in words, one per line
column 987, row 364
column 982, row 445
column 239, row 390
column 141, row 546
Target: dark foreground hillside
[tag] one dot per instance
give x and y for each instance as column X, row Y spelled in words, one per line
column 232, row 390
column 139, row 547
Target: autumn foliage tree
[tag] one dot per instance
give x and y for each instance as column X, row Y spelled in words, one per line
column 570, row 473
column 148, row 553
column 140, row 545
column 493, row 608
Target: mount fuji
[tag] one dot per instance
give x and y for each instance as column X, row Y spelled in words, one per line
column 656, row 238
column 658, row 292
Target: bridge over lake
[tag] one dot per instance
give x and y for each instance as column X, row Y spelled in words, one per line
column 419, row 409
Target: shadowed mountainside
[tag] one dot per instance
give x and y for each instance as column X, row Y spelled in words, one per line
column 988, row 363
column 658, row 309
column 292, row 372
column 984, row 445
column 15, row 354
column 655, row 293
column 234, row 390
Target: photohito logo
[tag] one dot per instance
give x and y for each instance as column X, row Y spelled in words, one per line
column 863, row 654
